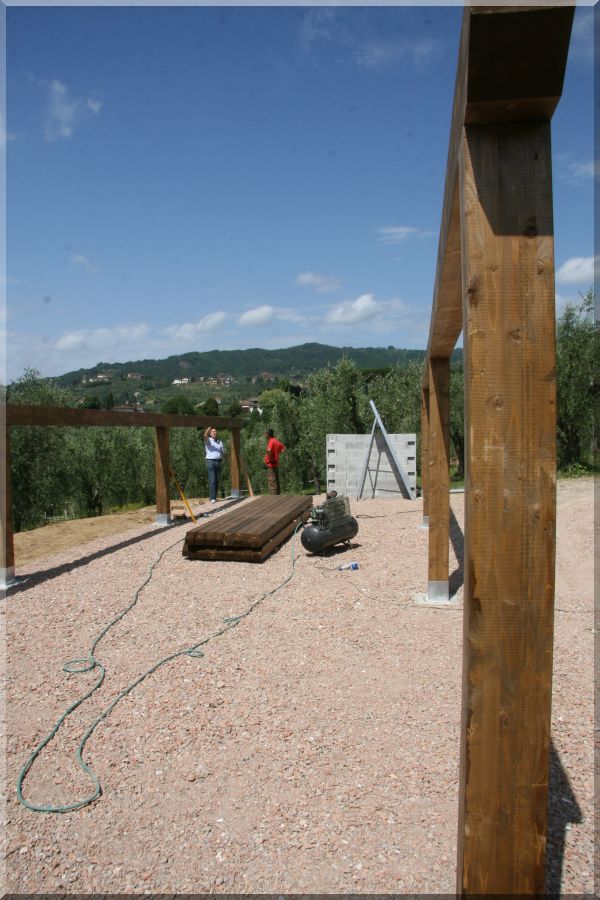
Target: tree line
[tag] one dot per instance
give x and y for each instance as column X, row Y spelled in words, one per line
column 79, row 472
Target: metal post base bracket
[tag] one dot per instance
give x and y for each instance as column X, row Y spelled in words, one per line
column 163, row 519
column 8, row 579
column 438, row 594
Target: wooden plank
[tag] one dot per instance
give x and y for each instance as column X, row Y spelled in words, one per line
column 17, row 414
column 163, row 472
column 510, row 433
column 439, row 477
column 241, row 518
column 269, row 524
column 250, row 526
column 242, row 554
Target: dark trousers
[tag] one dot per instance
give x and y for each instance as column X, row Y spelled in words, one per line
column 214, row 471
column 273, row 480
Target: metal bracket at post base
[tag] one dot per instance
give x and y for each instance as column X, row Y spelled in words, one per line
column 8, row 578
column 163, row 519
column 438, row 594
column 425, row 522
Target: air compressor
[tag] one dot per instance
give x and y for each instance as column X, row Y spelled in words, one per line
column 330, row 523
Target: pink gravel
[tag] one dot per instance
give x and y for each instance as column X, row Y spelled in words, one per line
column 313, row 749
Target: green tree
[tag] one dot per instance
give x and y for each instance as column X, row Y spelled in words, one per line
column 178, row 405
column 210, row 407
column 457, row 417
column 90, row 403
column 234, row 409
column 334, row 403
column 41, row 465
column 578, row 381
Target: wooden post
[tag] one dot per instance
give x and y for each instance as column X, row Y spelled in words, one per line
column 510, row 419
column 234, row 462
column 163, row 476
column 439, row 479
column 7, row 558
column 425, row 453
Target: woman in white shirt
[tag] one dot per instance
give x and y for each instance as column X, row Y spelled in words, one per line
column 214, row 456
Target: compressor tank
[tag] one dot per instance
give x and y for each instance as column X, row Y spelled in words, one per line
column 316, row 538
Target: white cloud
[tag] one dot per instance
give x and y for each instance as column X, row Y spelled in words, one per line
column 5, row 136
column 72, row 340
column 397, row 234
column 582, row 37
column 577, row 270
column 64, row 111
column 577, row 172
column 321, row 283
column 78, row 259
column 260, row 315
column 382, row 54
column 319, row 24
column 189, row 330
column 353, row 311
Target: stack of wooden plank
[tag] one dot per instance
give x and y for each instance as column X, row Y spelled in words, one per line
column 250, row 531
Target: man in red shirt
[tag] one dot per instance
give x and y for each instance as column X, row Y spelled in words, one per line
column 274, row 448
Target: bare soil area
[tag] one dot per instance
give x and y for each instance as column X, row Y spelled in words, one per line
column 313, row 748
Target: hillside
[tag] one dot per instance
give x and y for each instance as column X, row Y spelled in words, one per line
column 291, row 362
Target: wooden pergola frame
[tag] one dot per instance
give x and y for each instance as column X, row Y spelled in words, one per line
column 495, row 283
column 15, row 415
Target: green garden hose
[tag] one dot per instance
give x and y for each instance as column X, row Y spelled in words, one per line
column 89, row 663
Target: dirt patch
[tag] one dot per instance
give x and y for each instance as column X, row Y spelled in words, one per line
column 50, row 539
column 313, row 748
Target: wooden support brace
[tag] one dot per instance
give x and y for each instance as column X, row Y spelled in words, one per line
column 438, row 479
column 163, row 473
column 425, row 454
column 510, row 433
column 234, row 462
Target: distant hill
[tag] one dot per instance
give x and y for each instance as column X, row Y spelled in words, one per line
column 290, row 363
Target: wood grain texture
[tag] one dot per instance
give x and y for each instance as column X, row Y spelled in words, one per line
column 249, row 526
column 163, row 471
column 510, row 433
column 17, row 414
column 511, row 66
column 241, row 554
column 250, row 532
column 425, row 447
column 439, row 469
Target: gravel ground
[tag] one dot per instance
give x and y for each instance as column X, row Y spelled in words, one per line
column 313, row 749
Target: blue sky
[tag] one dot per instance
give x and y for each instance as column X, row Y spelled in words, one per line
column 197, row 178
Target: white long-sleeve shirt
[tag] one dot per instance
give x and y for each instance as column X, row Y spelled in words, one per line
column 214, row 449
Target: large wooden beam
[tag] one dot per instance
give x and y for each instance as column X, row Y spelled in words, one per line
column 439, row 479
column 510, row 68
column 17, row 414
column 510, row 434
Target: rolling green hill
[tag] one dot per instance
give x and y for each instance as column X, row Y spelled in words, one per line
column 291, row 363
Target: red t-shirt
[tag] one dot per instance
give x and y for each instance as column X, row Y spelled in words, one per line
column 274, row 448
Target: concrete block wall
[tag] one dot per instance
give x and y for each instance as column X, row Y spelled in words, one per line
column 346, row 457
